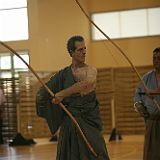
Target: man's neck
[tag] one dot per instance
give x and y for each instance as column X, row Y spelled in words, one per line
column 77, row 65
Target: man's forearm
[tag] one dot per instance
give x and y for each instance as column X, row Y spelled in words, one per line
column 76, row 88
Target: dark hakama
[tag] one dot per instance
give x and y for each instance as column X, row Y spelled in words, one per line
column 152, row 138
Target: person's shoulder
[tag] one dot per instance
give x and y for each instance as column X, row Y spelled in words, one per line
column 64, row 70
column 61, row 72
column 92, row 68
column 91, row 71
column 149, row 73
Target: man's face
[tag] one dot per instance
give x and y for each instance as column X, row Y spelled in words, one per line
column 156, row 60
column 79, row 54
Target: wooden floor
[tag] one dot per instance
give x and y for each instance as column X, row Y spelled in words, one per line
column 130, row 148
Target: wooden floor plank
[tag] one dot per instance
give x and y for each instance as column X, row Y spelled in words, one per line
column 130, row 148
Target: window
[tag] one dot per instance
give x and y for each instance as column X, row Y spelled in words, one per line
column 10, row 64
column 131, row 19
column 124, row 24
column 108, row 20
column 154, row 25
column 13, row 20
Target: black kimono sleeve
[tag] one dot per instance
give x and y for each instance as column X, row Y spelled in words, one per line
column 53, row 114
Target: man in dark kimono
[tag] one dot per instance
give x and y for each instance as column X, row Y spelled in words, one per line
column 148, row 109
column 74, row 86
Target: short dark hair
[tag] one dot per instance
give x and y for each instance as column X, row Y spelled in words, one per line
column 156, row 50
column 71, row 43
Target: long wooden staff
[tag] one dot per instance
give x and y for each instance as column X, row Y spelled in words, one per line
column 119, row 49
column 52, row 94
